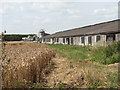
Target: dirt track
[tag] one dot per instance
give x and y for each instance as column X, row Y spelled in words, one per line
column 63, row 73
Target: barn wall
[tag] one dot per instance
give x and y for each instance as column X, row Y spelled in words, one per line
column 51, row 41
column 93, row 40
column 61, row 40
column 100, row 42
column 70, row 40
column 93, row 37
column 103, row 40
column 86, row 40
column 42, row 40
column 117, row 36
column 81, row 44
column 76, row 40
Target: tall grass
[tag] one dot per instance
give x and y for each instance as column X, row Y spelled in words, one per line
column 19, row 68
column 107, row 55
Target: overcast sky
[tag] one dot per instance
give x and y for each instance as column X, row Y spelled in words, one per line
column 30, row 17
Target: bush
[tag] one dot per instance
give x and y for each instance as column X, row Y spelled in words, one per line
column 112, row 53
column 107, row 55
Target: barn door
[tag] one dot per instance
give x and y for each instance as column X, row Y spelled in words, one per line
column 110, row 38
column 68, row 41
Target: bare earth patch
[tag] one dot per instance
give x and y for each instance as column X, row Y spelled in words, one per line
column 63, row 73
column 82, row 75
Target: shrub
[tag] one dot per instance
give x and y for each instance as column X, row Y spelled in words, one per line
column 112, row 53
column 107, row 55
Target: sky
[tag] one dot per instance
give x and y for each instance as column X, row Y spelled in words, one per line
column 30, row 17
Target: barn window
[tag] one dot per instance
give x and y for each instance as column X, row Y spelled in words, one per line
column 48, row 40
column 63, row 40
column 43, row 40
column 71, row 40
column 89, row 40
column 82, row 39
column 57, row 39
column 97, row 38
column 53, row 40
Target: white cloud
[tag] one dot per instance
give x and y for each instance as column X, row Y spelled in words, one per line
column 110, row 16
column 17, row 21
column 6, row 7
column 21, row 8
column 97, row 11
column 13, row 7
column 37, row 6
column 27, row 17
column 71, row 11
column 1, row 11
column 107, row 12
column 47, row 20
column 47, row 7
column 74, row 13
column 76, row 16
column 19, row 1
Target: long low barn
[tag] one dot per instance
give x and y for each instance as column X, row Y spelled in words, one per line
column 101, row 34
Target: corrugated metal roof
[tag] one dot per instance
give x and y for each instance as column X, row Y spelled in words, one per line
column 105, row 27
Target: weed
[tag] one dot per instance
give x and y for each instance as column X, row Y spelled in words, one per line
column 71, row 65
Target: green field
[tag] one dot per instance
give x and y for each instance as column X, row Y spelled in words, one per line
column 103, row 55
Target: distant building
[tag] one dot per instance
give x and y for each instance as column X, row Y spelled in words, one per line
column 101, row 34
column 42, row 33
column 29, row 38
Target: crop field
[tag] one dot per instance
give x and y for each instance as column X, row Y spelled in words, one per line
column 35, row 65
column 23, row 62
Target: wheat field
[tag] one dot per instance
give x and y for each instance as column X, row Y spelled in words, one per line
column 24, row 61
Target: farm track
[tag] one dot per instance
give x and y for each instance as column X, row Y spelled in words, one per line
column 63, row 73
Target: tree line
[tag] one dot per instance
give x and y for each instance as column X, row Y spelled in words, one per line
column 15, row 37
